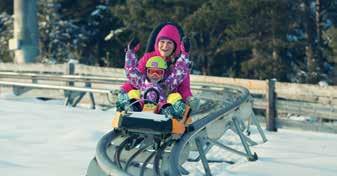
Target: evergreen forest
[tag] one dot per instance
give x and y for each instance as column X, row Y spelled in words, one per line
column 290, row 40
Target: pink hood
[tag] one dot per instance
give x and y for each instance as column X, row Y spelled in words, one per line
column 170, row 32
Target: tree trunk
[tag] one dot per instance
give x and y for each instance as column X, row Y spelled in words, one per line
column 311, row 66
column 318, row 21
column 318, row 49
column 273, row 30
column 204, row 65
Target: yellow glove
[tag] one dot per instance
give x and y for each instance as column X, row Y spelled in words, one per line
column 134, row 94
column 173, row 98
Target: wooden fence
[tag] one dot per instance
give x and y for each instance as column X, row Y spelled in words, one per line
column 276, row 98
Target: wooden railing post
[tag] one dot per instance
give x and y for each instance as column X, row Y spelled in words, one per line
column 70, row 70
column 271, row 105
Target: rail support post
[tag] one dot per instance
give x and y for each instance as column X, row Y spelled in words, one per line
column 203, row 156
column 257, row 124
column 69, row 94
column 271, row 105
column 243, row 139
column 17, row 90
column 80, row 97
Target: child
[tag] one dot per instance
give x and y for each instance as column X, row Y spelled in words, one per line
column 153, row 78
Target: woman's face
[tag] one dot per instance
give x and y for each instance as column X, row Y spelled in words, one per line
column 166, row 47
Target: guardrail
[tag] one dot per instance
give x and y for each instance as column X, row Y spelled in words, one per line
column 301, row 99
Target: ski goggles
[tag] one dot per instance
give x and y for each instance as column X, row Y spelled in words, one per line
column 155, row 74
column 152, row 71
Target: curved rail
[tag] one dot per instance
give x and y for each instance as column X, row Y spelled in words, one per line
column 102, row 158
column 201, row 124
column 242, row 96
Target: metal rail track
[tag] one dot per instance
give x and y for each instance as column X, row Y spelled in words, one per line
column 169, row 156
column 120, row 154
column 201, row 125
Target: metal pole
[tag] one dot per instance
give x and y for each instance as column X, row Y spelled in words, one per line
column 257, row 124
column 25, row 41
column 68, row 94
column 250, row 156
column 271, row 107
column 202, row 155
column 55, row 87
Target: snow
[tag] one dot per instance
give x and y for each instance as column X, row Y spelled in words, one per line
column 42, row 139
column 302, row 118
column 46, row 138
column 288, row 152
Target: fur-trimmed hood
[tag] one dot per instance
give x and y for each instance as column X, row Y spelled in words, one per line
column 170, row 32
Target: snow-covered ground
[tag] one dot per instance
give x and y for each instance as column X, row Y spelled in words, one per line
column 46, row 138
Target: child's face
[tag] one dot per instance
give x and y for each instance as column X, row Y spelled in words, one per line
column 165, row 47
column 155, row 74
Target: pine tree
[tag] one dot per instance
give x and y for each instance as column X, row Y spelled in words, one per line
column 207, row 26
column 6, row 33
column 6, row 6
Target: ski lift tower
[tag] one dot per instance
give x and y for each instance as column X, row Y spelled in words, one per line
column 26, row 35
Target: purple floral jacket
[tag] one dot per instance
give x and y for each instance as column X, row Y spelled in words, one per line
column 174, row 76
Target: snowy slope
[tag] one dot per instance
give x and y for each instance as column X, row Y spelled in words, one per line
column 46, row 138
column 43, row 139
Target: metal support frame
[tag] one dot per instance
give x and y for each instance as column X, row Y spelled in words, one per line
column 235, row 126
column 69, row 97
column 258, row 126
column 17, row 90
column 73, row 98
column 238, row 126
column 235, row 123
column 250, row 156
column 227, row 148
column 79, row 98
column 183, row 170
column 197, row 159
column 202, row 154
column 246, row 138
column 243, row 127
